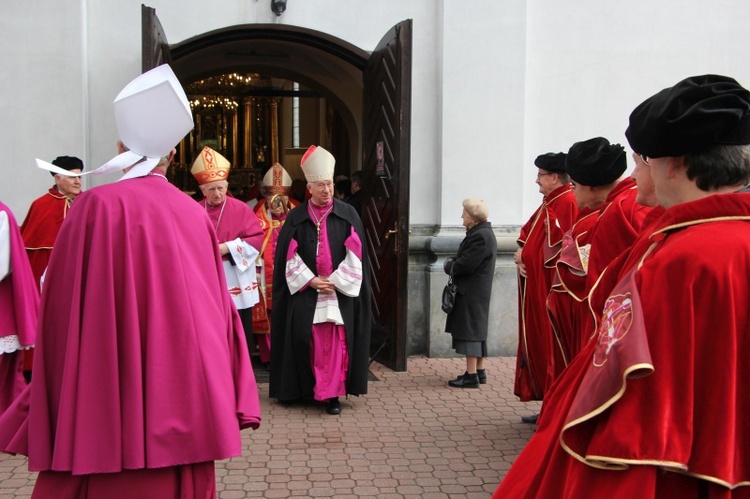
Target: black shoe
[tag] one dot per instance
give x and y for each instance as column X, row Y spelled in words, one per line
column 482, row 376
column 465, row 381
column 333, row 406
column 530, row 419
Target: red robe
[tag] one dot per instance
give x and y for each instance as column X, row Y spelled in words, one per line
column 141, row 361
column 619, row 224
column 40, row 228
column 567, row 298
column 657, row 406
column 541, row 239
column 613, row 230
column 609, row 276
column 271, row 227
column 620, row 221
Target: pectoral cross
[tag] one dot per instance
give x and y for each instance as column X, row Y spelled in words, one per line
column 317, row 247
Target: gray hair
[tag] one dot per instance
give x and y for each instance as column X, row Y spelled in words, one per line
column 719, row 166
column 476, row 209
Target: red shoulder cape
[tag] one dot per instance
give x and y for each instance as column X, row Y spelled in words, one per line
column 40, row 229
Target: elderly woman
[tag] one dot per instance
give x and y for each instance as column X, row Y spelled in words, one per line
column 472, row 270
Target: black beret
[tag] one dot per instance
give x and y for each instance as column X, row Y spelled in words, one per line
column 595, row 162
column 552, row 161
column 67, row 163
column 695, row 114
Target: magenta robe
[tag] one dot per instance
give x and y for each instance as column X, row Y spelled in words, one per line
column 141, row 361
column 19, row 306
column 236, row 220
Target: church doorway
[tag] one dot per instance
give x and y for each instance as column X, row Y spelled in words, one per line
column 262, row 93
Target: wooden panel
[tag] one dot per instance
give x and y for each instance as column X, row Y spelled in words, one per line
column 385, row 207
column 154, row 45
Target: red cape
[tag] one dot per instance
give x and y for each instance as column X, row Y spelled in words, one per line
column 540, row 238
column 619, row 224
column 668, row 395
column 609, row 233
column 610, row 275
column 40, row 229
column 141, row 358
column 567, row 298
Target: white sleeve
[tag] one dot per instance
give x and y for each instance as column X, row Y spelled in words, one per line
column 348, row 276
column 4, row 245
column 298, row 275
column 243, row 254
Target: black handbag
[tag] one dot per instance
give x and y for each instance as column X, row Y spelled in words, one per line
column 449, row 295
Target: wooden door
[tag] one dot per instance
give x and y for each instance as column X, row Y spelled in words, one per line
column 154, row 45
column 385, row 197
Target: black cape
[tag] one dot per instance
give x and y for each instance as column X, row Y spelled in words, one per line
column 292, row 316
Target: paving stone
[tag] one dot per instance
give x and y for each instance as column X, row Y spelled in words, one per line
column 410, row 436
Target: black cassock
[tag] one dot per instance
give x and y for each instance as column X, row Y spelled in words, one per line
column 292, row 316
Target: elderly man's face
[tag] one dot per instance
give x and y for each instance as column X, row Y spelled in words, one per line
column 215, row 192
column 547, row 181
column 584, row 195
column 321, row 192
column 276, row 205
column 642, row 176
column 68, row 186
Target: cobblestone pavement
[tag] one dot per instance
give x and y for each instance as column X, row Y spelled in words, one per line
column 410, row 436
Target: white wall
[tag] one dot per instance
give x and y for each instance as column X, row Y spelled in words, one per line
column 482, row 74
column 590, row 63
column 41, row 95
column 495, row 82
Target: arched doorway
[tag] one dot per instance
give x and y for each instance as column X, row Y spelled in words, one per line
column 367, row 98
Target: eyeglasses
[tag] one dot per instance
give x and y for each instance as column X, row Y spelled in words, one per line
column 543, row 174
column 644, row 158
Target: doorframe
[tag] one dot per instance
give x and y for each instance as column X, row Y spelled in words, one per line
column 262, row 48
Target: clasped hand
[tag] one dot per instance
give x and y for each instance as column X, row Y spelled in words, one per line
column 323, row 285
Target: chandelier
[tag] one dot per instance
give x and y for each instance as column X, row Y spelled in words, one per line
column 222, row 91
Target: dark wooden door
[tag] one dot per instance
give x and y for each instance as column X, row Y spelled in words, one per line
column 385, row 200
column 154, row 45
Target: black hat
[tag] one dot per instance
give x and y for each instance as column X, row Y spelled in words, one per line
column 67, row 163
column 595, row 162
column 697, row 113
column 552, row 161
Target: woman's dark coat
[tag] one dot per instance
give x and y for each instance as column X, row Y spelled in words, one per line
column 473, row 270
column 292, row 316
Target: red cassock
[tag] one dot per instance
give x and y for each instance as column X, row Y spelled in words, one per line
column 541, row 239
column 40, row 229
column 656, row 406
column 141, row 361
